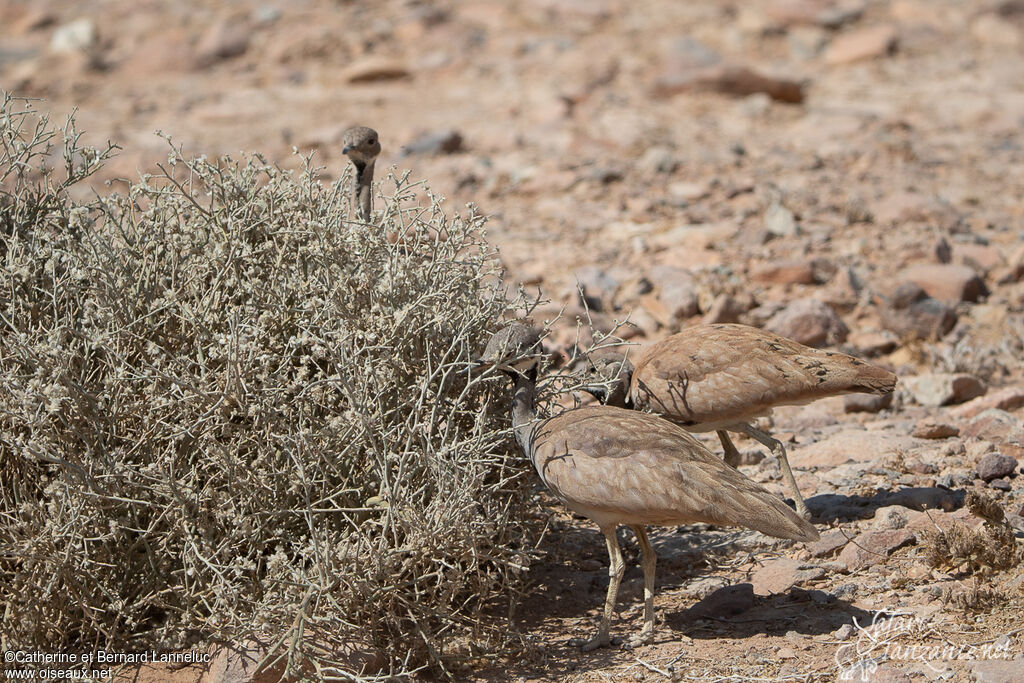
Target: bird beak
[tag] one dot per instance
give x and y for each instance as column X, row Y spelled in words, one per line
column 598, row 391
column 475, row 364
column 346, row 149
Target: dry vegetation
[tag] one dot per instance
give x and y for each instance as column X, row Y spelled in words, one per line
column 228, row 410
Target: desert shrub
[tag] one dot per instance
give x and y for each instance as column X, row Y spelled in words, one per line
column 229, row 411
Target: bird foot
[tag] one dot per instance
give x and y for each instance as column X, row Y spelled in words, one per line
column 600, row 640
column 643, row 638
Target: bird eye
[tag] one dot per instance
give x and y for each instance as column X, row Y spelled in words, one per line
column 373, row 141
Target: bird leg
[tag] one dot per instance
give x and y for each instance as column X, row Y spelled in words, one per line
column 616, row 568
column 779, row 452
column 649, row 561
column 732, row 456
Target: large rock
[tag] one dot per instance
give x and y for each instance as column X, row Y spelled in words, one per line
column 810, row 322
column 910, row 312
column 994, row 466
column 1008, row 398
column 948, row 282
column 943, row 388
column 997, row 426
column 873, row 547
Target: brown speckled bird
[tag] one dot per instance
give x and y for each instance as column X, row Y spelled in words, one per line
column 619, row 466
column 362, row 145
column 722, row 377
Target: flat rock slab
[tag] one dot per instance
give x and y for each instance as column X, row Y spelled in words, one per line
column 852, row 445
column 873, row 547
column 830, row 542
column 1008, row 398
column 778, row 576
column 998, row 671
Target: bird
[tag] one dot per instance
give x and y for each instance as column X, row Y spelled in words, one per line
column 361, row 146
column 722, row 377
column 624, row 467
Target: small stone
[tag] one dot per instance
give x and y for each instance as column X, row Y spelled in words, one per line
column 434, row 143
column 917, row 467
column 890, row 517
column 865, row 43
column 222, row 40
column 939, row 389
column 843, row 633
column 726, row 309
column 658, row 160
column 689, row 192
column 786, row 653
column 947, row 282
column 866, row 403
column 780, row 222
column 597, row 287
column 847, row 591
column 374, row 69
column 784, row 273
column 76, row 36
column 810, row 322
column 930, row 429
column 1001, row 484
column 873, row 343
column 677, row 291
column 995, row 465
column 981, row 257
column 872, row 547
column 991, row 29
column 778, row 576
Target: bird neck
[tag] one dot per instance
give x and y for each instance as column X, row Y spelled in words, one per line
column 363, row 188
column 523, row 411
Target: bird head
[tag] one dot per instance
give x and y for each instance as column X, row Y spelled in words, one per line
column 606, row 373
column 361, row 145
column 515, row 350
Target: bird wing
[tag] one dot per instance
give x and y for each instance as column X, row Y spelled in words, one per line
column 626, row 467
column 733, row 373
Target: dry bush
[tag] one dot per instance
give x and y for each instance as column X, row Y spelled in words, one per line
column 992, row 547
column 230, row 411
column 972, row 596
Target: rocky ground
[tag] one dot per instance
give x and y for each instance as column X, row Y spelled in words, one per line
column 846, row 173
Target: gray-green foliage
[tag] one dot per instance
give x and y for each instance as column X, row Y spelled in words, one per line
column 229, row 410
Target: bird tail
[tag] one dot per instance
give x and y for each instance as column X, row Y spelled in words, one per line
column 742, row 501
column 872, row 379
